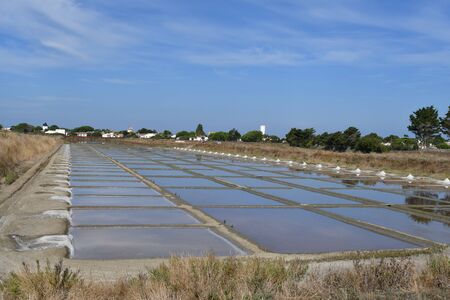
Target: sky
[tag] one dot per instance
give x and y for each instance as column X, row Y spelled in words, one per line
column 172, row 64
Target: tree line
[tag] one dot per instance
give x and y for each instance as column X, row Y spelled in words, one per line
column 428, row 128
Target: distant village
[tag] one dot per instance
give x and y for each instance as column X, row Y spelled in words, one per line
column 143, row 133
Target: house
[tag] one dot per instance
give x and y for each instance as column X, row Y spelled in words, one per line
column 199, row 139
column 146, row 135
column 57, row 131
column 44, row 127
column 81, row 134
column 6, row 128
column 130, row 129
column 112, row 135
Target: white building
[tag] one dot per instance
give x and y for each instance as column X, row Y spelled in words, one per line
column 262, row 128
column 111, row 135
column 44, row 127
column 57, row 131
column 146, row 135
column 81, row 134
column 130, row 129
column 199, row 139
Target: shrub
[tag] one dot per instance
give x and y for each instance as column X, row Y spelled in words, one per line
column 252, row 136
column 371, row 143
column 218, row 136
column 301, row 137
column 404, row 144
column 233, row 135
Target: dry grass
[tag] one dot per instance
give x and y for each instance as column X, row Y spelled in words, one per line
column 18, row 150
column 434, row 164
column 233, row 278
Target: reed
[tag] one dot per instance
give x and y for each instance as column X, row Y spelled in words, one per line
column 18, row 151
column 242, row 278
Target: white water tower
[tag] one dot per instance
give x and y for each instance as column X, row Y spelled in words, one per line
column 262, row 128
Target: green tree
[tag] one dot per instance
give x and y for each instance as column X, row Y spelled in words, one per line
column 403, row 144
column 301, row 137
column 22, row 128
column 83, row 129
column 272, row 139
column 53, row 127
column 445, row 123
column 1, row 126
column 218, row 136
column 351, row 136
column 252, row 136
column 425, row 124
column 185, row 135
column 166, row 134
column 391, row 138
column 336, row 142
column 371, row 143
column 199, row 130
column 233, row 135
column 145, row 130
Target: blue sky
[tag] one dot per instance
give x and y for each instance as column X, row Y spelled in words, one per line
column 173, row 64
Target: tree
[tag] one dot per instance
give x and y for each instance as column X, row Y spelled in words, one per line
column 1, row 126
column 53, row 127
column 83, row 129
column 300, row 137
column 22, row 128
column 234, row 135
column 391, row 138
column 272, row 139
column 371, row 143
column 145, row 130
column 445, row 123
column 351, row 137
column 185, row 135
column 425, row 124
column 403, row 144
column 199, row 131
column 336, row 142
column 218, row 136
column 252, row 136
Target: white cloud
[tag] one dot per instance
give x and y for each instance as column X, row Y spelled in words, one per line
column 57, row 32
column 246, row 57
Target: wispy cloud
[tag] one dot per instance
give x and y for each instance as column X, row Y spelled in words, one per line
column 246, row 57
column 57, row 32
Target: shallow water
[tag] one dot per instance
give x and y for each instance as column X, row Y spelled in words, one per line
column 194, row 182
column 120, row 201
column 121, row 243
column 113, row 191
column 106, row 183
column 131, row 216
column 299, row 231
column 221, row 197
column 380, row 196
column 404, row 222
column 307, row 197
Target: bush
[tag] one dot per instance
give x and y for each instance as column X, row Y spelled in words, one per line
column 404, row 144
column 252, row 136
column 443, row 146
column 371, row 143
column 301, row 137
column 218, row 136
column 233, row 135
column 185, row 135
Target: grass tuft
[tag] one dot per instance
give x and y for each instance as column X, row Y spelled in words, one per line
column 212, row 278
